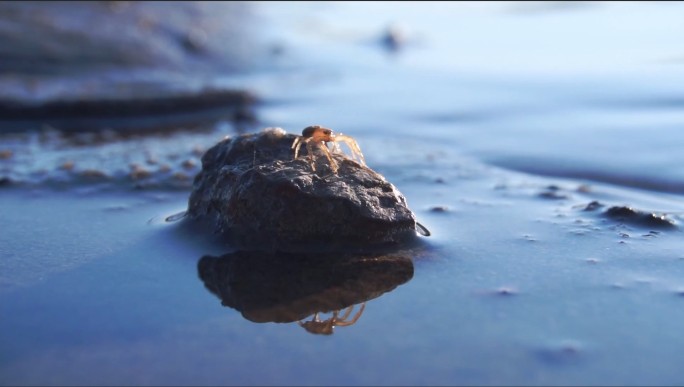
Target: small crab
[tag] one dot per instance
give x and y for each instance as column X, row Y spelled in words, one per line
column 320, row 136
column 325, row 327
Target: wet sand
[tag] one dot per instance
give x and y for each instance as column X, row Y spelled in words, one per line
column 526, row 279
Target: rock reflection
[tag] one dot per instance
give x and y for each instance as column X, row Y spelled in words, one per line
column 289, row 287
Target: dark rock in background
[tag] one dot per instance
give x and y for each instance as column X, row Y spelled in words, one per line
column 122, row 94
column 43, row 38
column 636, row 217
column 123, row 65
column 164, row 113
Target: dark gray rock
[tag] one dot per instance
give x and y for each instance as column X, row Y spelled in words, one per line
column 67, row 65
column 636, row 217
column 261, row 198
column 130, row 115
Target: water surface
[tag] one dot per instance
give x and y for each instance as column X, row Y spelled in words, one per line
column 500, row 123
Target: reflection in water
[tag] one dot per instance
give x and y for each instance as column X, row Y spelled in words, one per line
column 289, row 287
column 325, row 327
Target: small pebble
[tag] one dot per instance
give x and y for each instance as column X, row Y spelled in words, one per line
column 593, row 206
column 504, row 291
column 189, row 164
column 394, row 38
column 180, row 176
column 93, row 174
column 553, row 195
column 560, row 353
column 138, row 172
column 67, row 165
column 6, row 154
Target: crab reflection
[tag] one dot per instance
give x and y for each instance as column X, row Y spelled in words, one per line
column 317, row 291
column 325, row 327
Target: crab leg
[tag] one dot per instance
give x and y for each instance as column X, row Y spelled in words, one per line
column 333, row 164
column 347, row 312
column 353, row 320
column 296, row 145
column 309, row 149
column 353, row 145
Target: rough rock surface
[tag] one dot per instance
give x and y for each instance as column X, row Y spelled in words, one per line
column 260, row 197
column 633, row 216
column 639, row 218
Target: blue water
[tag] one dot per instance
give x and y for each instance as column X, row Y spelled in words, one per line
column 589, row 90
column 481, row 110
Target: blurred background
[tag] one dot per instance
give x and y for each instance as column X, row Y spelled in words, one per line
column 578, row 89
column 510, row 127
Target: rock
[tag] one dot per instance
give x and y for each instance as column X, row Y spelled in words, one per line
column 260, row 197
column 68, row 65
column 553, row 192
column 130, row 114
column 393, row 39
column 593, row 205
column 288, row 287
column 636, row 217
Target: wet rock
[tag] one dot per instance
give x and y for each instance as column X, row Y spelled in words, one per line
column 503, row 291
column 506, row 291
column 45, row 38
column 552, row 195
column 133, row 115
column 67, row 165
column 189, row 164
column 553, row 192
column 584, row 188
column 288, row 287
column 565, row 352
column 261, row 198
column 93, row 174
column 593, row 205
column 6, row 154
column 68, row 65
column 393, row 38
column 635, row 217
column 138, row 172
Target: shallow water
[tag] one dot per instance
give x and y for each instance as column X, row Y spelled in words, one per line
column 500, row 123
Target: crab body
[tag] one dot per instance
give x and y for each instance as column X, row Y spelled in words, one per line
column 318, row 136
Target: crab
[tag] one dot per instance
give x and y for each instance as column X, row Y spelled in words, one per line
column 317, row 135
column 325, row 327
